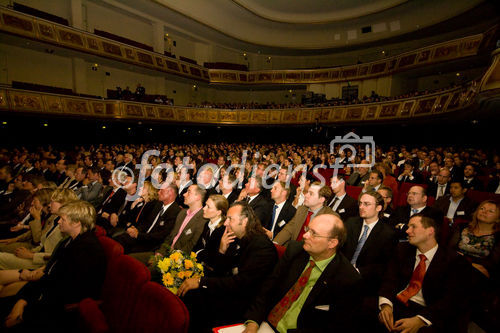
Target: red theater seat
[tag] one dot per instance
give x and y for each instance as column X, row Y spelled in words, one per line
column 158, row 310
column 112, row 248
column 122, row 285
column 353, row 191
column 479, row 196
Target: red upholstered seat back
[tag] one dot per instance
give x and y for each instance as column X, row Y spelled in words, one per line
column 479, row 196
column 353, row 191
column 99, row 231
column 158, row 310
column 122, row 285
column 112, row 248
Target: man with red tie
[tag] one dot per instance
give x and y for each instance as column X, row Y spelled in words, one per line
column 313, row 288
column 423, row 286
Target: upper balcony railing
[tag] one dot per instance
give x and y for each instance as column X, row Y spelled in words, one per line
column 49, row 32
column 21, row 101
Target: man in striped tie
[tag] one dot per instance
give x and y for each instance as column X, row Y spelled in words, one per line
column 314, row 288
column 422, row 289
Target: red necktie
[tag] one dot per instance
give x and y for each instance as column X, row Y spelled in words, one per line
column 291, row 296
column 415, row 282
column 306, row 223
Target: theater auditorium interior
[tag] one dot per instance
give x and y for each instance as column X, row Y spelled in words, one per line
column 250, row 166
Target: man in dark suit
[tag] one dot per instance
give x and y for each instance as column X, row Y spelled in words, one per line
column 313, row 288
column 456, row 204
column 227, row 185
column 282, row 210
column 230, row 296
column 470, row 180
column 314, row 204
column 423, row 286
column 185, row 180
column 442, row 186
column 417, row 203
column 360, row 176
column 160, row 222
column 386, row 193
column 409, row 175
column 110, row 205
column 256, row 199
column 341, row 203
column 370, row 242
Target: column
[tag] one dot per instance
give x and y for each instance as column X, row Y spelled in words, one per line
column 76, row 14
column 158, row 37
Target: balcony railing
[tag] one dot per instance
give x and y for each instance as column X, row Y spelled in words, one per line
column 49, row 32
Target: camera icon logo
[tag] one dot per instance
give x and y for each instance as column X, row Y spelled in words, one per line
column 347, row 142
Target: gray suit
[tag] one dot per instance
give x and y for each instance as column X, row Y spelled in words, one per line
column 292, row 229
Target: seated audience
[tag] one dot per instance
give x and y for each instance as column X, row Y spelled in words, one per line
column 75, row 271
column 43, row 237
column 155, row 219
column 282, row 210
column 442, row 186
column 386, row 193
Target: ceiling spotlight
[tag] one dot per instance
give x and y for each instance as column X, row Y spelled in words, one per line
column 383, row 52
column 45, row 125
column 458, row 74
column 244, row 54
column 104, row 127
column 129, row 128
column 150, row 129
column 4, row 123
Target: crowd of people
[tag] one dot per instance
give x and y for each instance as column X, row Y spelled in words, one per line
column 363, row 263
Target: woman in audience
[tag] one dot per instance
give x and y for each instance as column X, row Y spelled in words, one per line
column 75, row 271
column 39, row 212
column 143, row 205
column 47, row 235
column 389, row 179
column 479, row 240
column 215, row 210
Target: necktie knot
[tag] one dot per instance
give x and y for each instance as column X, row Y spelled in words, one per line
column 422, row 257
column 414, row 211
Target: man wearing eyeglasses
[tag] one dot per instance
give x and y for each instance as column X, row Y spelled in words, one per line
column 370, row 243
column 417, row 203
column 313, row 288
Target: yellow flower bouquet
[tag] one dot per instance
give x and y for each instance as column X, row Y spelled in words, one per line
column 177, row 266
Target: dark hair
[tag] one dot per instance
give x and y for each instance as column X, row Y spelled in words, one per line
column 428, row 222
column 388, row 189
column 254, row 226
column 458, row 181
column 379, row 174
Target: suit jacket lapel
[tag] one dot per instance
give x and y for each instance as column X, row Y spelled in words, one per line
column 323, row 281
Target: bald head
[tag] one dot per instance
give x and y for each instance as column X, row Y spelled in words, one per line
column 326, row 233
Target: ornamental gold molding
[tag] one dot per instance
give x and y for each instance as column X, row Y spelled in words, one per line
column 45, row 31
column 22, row 101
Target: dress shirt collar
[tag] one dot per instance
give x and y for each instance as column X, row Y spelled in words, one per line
column 429, row 254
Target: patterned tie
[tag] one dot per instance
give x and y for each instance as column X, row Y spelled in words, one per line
column 361, row 242
column 291, row 296
column 415, row 282
column 306, row 223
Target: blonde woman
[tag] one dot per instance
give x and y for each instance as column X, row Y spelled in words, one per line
column 48, row 236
